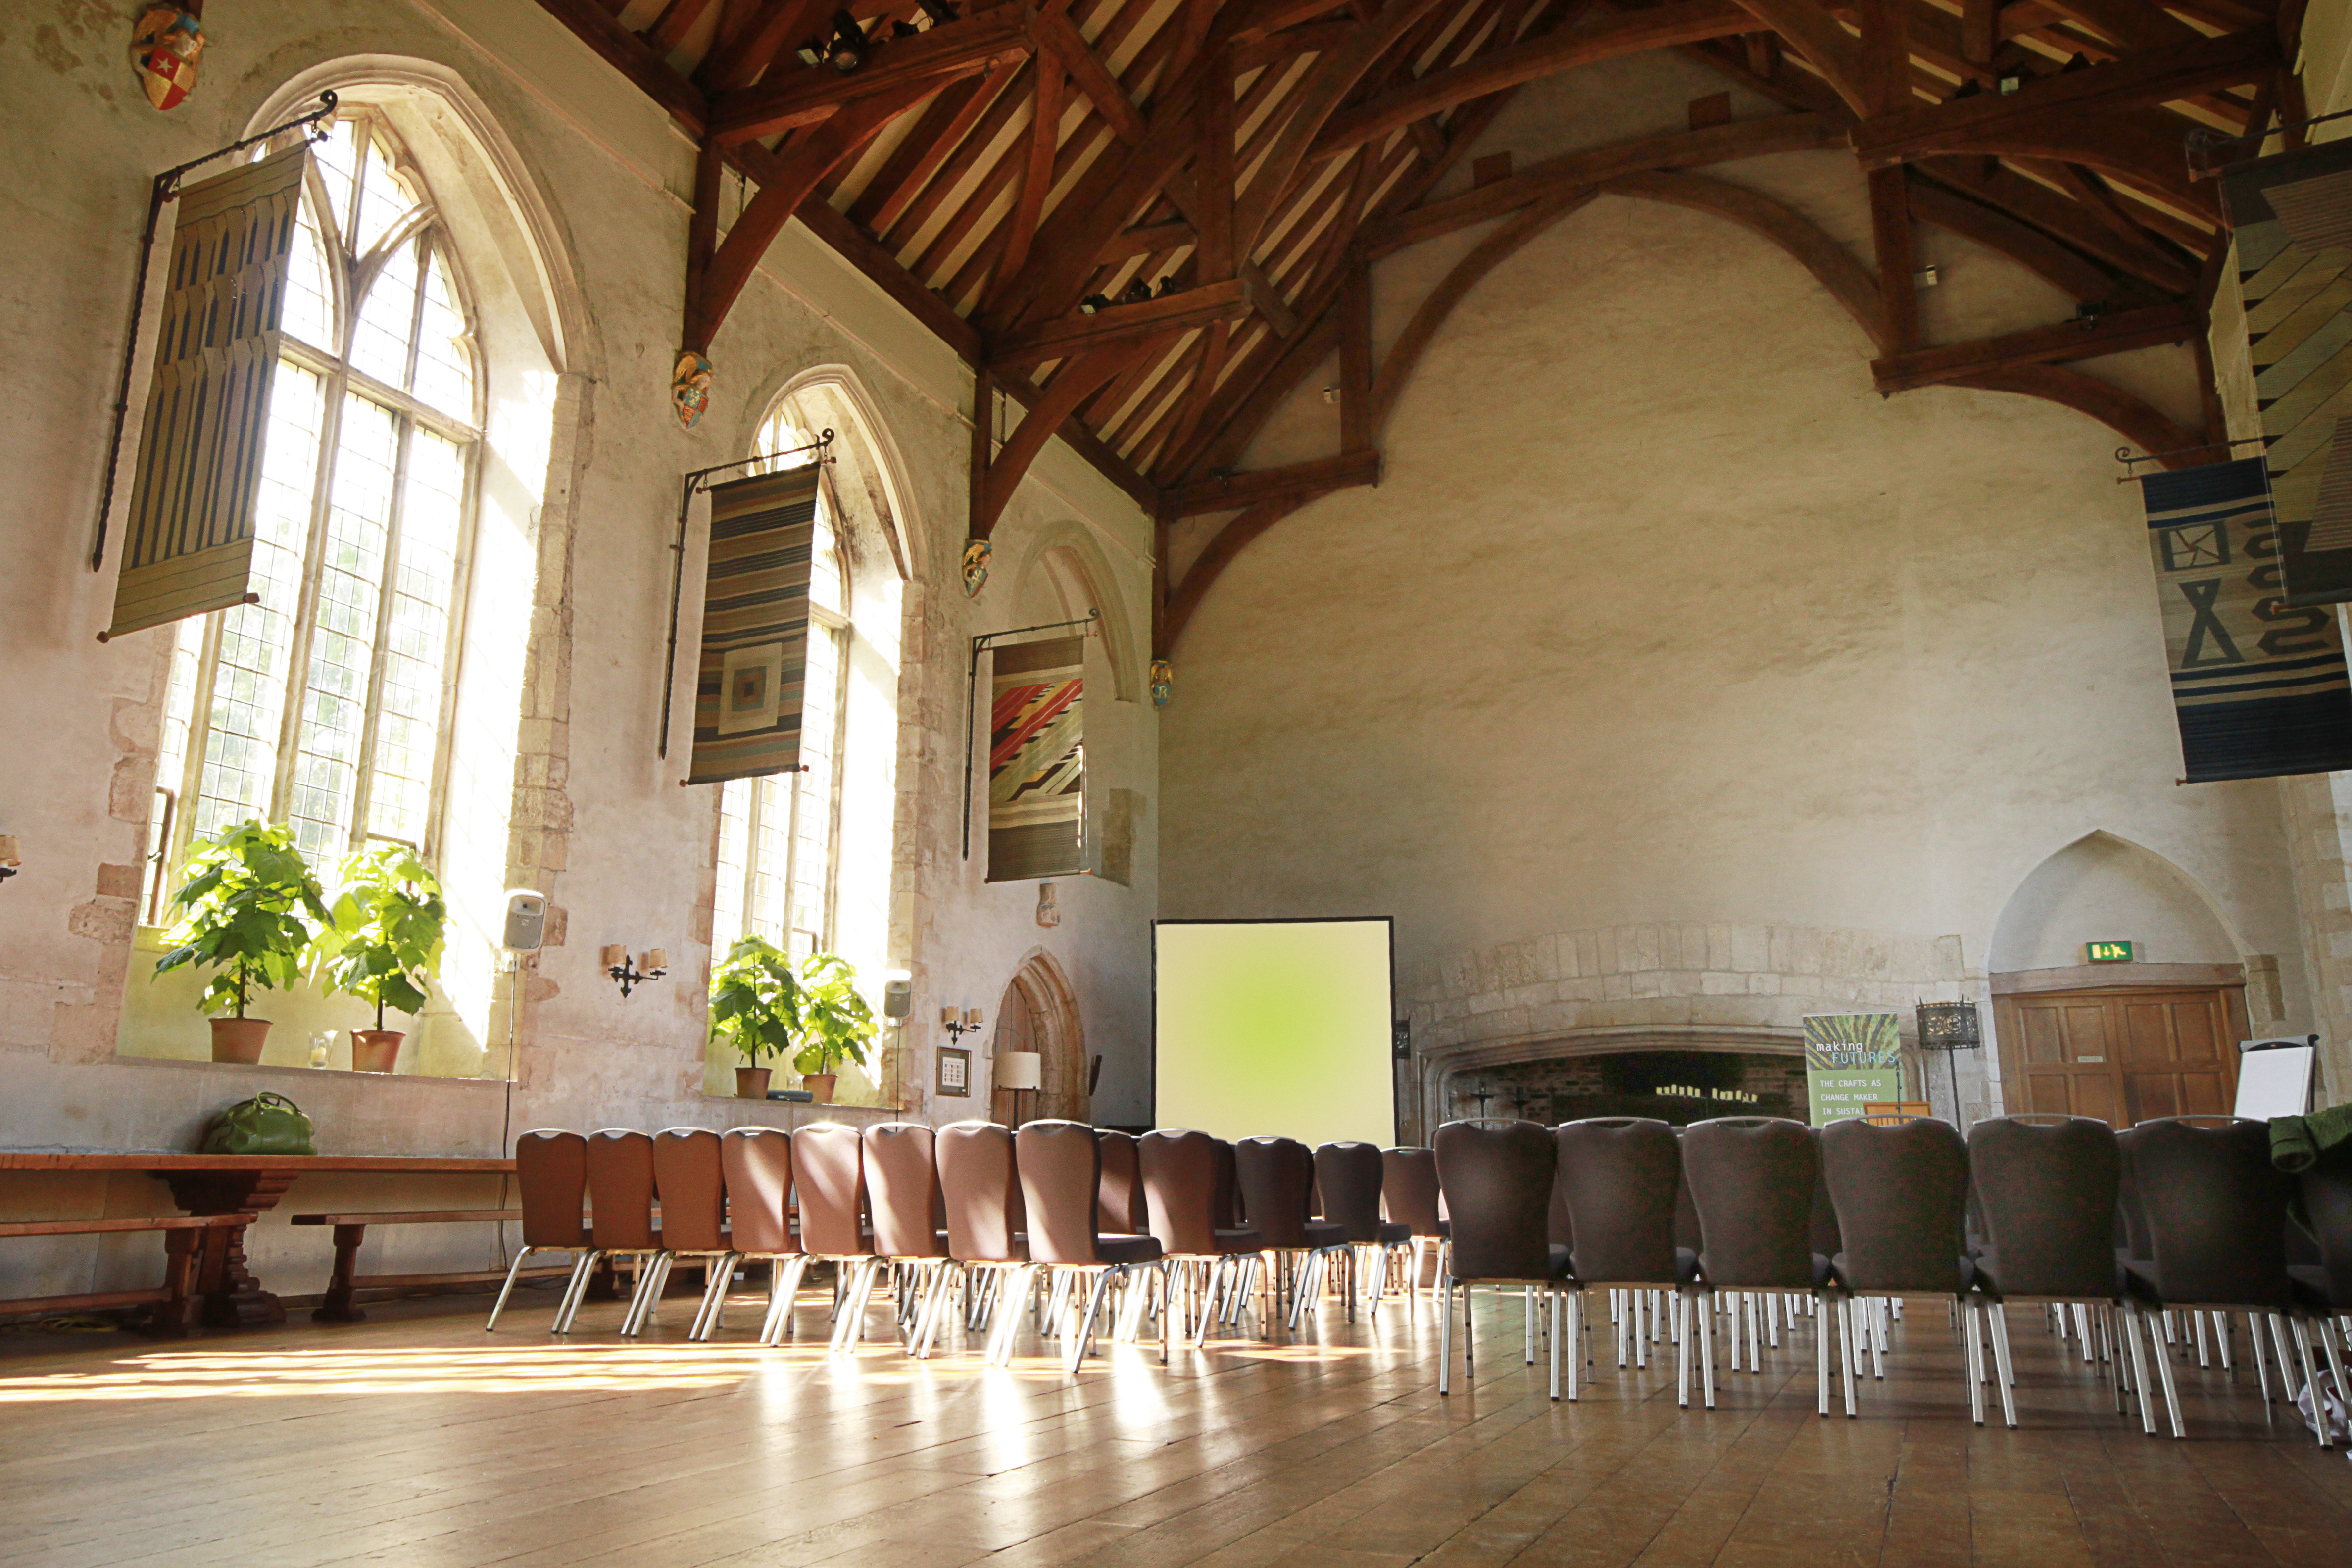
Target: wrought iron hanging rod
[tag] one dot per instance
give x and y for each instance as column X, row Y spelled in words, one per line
column 2125, row 456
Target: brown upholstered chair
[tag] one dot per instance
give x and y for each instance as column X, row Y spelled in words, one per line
column 1121, row 1194
column 988, row 1250
column 1061, row 1173
column 1276, row 1178
column 551, row 1168
column 829, row 1177
column 902, row 1195
column 1619, row 1177
column 693, row 1192
column 1751, row 1180
column 1349, row 1175
column 621, row 1224
column 1901, row 1193
column 757, row 1163
column 1409, row 1194
column 1209, row 1263
column 2044, row 1194
column 1497, row 1179
column 2216, row 1214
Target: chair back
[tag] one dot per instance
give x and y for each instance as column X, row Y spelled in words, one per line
column 982, row 1189
column 552, row 1169
column 1061, row 1167
column 1349, row 1176
column 1497, row 1179
column 692, row 1188
column 1618, row 1176
column 2328, row 1200
column 902, row 1185
column 1277, row 1179
column 829, row 1175
column 1120, row 1198
column 1901, row 1194
column 1180, row 1190
column 1227, row 1207
column 1408, row 1189
column 621, row 1190
column 1823, row 1222
column 757, row 1163
column 1751, row 1180
column 2046, row 1197
column 2216, row 1210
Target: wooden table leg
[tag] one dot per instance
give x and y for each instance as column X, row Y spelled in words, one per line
column 233, row 1298
column 336, row 1308
column 172, row 1318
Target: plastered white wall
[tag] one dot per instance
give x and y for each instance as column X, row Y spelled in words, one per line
column 625, row 853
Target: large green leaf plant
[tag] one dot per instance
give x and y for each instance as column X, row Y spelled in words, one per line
column 766, row 1007
column 835, row 1022
column 388, row 925
column 247, row 908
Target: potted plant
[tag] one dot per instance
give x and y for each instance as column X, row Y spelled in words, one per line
column 247, row 905
column 383, row 942
column 755, row 1005
column 835, row 1023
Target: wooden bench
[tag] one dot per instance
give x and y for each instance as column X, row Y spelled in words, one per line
column 350, row 1229
column 192, row 1247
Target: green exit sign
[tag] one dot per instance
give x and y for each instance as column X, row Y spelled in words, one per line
column 2109, row 952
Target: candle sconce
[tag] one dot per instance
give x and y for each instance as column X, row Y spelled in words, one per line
column 651, row 964
column 960, row 1021
column 8, row 861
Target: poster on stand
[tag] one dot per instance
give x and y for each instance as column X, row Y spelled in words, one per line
column 1852, row 1060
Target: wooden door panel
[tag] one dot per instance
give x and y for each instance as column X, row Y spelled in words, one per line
column 2121, row 1055
column 2046, row 1040
column 2095, row 1095
column 2196, row 1038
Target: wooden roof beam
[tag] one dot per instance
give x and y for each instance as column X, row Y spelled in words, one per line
column 1059, row 339
column 2146, row 327
column 1054, row 33
column 1236, row 492
column 1813, row 32
column 1678, row 22
column 954, row 49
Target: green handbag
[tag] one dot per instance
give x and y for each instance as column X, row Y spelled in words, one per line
column 265, row 1124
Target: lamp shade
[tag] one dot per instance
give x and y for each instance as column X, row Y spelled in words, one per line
column 1020, row 1069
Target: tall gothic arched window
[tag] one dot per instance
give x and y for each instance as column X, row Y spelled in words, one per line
column 325, row 704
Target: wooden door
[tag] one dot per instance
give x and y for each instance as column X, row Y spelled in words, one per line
column 2123, row 1056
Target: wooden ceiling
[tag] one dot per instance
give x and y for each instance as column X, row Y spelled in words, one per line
column 1145, row 221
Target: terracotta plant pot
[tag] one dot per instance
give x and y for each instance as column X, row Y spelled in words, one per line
column 375, row 1050
column 819, row 1085
column 751, row 1083
column 239, row 1040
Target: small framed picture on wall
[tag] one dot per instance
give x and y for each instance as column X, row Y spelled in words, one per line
column 955, row 1071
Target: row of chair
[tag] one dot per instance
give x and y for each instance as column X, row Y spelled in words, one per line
column 1764, row 1206
column 1170, row 1225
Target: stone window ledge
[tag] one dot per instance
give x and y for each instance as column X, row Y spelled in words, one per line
column 305, row 1074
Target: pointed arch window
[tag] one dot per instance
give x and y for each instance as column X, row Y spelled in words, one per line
column 324, row 704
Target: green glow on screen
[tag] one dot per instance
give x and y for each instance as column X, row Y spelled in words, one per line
column 1278, row 1027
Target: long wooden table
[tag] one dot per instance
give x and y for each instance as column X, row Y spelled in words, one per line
column 243, row 1183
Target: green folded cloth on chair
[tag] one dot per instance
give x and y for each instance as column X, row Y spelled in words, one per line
column 2298, row 1142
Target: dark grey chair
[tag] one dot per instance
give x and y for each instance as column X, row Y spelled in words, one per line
column 2324, row 1289
column 1618, row 1178
column 1349, row 1175
column 1901, row 1194
column 1184, row 1189
column 2216, row 1214
column 1751, row 1180
column 1409, row 1195
column 1496, row 1180
column 1061, row 1174
column 2045, row 1190
column 1276, row 1180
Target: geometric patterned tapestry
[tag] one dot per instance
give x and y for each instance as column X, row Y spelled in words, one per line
column 2293, row 218
column 755, row 617
column 189, row 543
column 2259, row 688
column 1037, row 762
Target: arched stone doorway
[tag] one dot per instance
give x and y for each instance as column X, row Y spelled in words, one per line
column 1039, row 1012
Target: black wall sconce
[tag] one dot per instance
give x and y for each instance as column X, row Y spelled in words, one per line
column 651, row 964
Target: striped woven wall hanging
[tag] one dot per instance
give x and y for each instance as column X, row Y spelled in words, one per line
column 189, row 544
column 2293, row 218
column 1037, row 761
column 755, row 621
column 2259, row 688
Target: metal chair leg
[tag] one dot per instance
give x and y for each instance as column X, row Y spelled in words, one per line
column 1554, row 1294
column 2171, row 1393
column 1846, row 1349
column 577, row 1292
column 1821, row 1360
column 1445, row 1335
column 2004, row 1371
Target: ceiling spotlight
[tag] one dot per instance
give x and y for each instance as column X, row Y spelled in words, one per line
column 1168, row 285
column 1968, row 88
column 2079, row 63
column 1091, row 303
column 2011, row 79
column 904, row 29
column 847, row 51
column 812, row 53
column 939, row 11
column 1136, row 293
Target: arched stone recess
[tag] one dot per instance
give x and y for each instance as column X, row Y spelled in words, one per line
column 1055, row 1030
column 1062, row 568
column 2104, row 886
column 870, row 470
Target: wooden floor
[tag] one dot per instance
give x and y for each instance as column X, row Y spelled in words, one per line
column 416, row 1440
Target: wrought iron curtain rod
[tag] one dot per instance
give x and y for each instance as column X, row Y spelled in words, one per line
column 688, row 485
column 166, row 186
column 2206, row 140
column 2124, row 454
column 972, row 700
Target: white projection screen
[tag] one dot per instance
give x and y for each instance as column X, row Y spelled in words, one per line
column 1278, row 1027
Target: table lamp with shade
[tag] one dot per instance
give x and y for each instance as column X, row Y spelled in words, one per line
column 1019, row 1072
